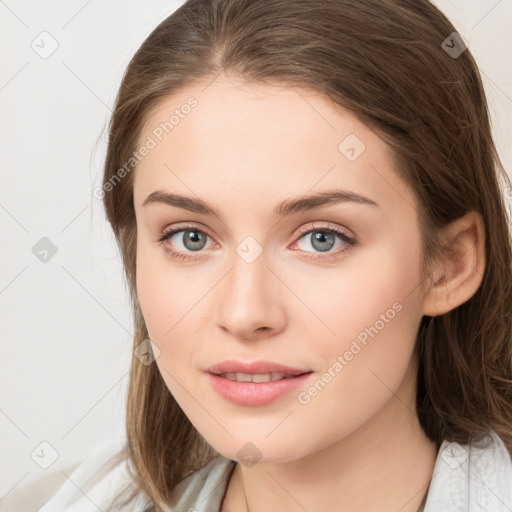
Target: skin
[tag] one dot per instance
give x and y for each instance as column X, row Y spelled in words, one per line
column 245, row 149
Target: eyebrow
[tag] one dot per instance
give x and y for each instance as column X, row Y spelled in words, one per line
column 284, row 209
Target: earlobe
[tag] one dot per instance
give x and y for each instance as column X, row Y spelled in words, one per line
column 458, row 277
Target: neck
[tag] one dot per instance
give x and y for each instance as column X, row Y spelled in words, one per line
column 386, row 464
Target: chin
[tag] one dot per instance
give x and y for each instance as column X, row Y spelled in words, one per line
column 249, row 450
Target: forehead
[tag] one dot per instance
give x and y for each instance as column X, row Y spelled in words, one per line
column 253, row 140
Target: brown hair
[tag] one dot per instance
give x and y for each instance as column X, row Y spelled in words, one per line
column 383, row 60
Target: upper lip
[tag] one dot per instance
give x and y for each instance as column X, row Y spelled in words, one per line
column 254, row 367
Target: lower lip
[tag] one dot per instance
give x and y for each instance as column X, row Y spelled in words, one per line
column 255, row 393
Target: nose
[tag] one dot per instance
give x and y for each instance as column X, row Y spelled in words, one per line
column 250, row 300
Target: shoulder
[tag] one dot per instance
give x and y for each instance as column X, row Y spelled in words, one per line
column 94, row 484
column 104, row 475
column 472, row 477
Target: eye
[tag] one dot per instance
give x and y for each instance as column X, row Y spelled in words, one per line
column 323, row 239
column 185, row 240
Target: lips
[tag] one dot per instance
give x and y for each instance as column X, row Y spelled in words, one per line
column 255, row 384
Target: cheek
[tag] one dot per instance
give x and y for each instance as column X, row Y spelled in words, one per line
column 374, row 288
column 364, row 369
column 174, row 305
column 152, row 295
column 375, row 316
column 164, row 292
column 167, row 304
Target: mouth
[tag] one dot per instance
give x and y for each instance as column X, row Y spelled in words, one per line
column 255, row 384
column 257, row 377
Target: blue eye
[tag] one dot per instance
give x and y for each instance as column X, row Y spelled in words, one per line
column 323, row 239
column 191, row 239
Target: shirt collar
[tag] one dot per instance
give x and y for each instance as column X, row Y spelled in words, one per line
column 470, row 478
column 465, row 478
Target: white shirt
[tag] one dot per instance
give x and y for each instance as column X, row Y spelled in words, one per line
column 465, row 479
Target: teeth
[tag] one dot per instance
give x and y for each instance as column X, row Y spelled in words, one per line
column 266, row 377
column 255, row 377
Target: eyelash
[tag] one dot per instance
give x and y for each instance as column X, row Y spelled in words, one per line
column 309, row 229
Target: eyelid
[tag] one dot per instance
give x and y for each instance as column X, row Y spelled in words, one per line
column 324, row 225
column 182, row 226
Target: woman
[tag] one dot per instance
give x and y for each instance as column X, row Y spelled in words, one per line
column 307, row 200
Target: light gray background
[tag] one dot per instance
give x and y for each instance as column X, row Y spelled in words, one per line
column 65, row 324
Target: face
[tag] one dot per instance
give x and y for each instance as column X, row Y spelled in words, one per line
column 331, row 290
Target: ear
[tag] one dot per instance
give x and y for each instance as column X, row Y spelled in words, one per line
column 456, row 279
